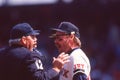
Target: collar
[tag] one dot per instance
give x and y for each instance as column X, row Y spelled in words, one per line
column 72, row 50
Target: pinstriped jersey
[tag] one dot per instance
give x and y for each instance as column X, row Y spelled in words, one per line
column 79, row 62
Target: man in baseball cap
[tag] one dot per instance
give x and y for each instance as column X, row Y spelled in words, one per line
column 67, row 40
column 22, row 30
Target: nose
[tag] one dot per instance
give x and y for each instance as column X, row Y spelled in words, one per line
column 35, row 38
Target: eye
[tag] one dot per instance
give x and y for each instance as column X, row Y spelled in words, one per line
column 59, row 39
column 33, row 37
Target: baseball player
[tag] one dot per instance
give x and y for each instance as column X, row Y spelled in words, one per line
column 67, row 40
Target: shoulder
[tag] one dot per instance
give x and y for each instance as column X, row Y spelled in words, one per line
column 20, row 50
column 2, row 52
column 77, row 52
column 2, row 49
column 17, row 52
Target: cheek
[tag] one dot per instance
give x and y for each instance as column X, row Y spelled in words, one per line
column 29, row 42
column 63, row 45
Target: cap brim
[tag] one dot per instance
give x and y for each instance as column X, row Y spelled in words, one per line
column 35, row 32
column 52, row 36
column 56, row 29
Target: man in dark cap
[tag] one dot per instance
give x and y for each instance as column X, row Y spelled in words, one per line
column 67, row 40
column 19, row 61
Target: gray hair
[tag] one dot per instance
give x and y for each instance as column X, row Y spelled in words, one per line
column 77, row 41
column 14, row 41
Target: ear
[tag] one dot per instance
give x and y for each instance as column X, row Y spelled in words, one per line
column 72, row 36
column 23, row 40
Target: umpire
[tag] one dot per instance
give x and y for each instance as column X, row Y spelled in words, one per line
column 19, row 61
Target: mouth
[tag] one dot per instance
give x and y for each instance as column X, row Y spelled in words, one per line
column 58, row 46
column 35, row 45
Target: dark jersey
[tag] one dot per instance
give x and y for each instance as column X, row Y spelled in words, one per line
column 18, row 63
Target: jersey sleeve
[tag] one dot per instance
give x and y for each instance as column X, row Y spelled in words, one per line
column 79, row 76
column 81, row 65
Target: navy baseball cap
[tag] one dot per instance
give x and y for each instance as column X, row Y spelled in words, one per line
column 22, row 29
column 68, row 28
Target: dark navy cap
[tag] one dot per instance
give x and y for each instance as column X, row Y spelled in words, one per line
column 22, row 29
column 68, row 28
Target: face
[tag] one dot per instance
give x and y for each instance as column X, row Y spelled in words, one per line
column 30, row 42
column 62, row 42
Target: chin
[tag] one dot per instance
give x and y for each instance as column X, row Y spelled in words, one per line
column 35, row 46
column 60, row 51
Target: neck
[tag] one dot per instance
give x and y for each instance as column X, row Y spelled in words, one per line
column 75, row 47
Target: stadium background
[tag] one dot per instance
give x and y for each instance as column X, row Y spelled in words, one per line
column 98, row 21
